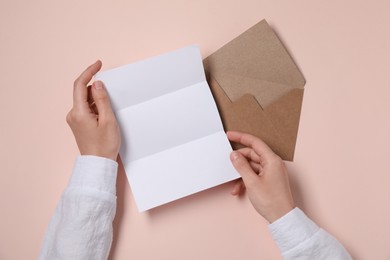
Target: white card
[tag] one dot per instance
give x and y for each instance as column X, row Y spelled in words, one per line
column 173, row 142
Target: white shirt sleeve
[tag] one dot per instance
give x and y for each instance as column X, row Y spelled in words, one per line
column 298, row 237
column 81, row 227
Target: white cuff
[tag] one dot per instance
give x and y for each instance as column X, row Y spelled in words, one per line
column 94, row 172
column 292, row 229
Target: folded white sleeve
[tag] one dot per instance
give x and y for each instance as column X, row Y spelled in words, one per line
column 81, row 227
column 298, row 237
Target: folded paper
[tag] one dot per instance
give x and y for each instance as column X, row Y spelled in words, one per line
column 173, row 142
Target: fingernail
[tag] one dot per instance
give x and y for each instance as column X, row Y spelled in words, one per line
column 97, row 85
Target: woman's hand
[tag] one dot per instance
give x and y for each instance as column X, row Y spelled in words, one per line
column 264, row 175
column 91, row 118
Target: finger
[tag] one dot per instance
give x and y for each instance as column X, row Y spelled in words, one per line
column 253, row 158
column 238, row 188
column 261, row 148
column 102, row 101
column 250, row 154
column 80, row 92
column 243, row 168
column 256, row 167
column 91, row 102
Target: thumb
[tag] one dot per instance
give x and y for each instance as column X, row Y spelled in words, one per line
column 102, row 100
column 243, row 167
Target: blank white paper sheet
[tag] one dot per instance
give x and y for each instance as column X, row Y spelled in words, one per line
column 173, row 142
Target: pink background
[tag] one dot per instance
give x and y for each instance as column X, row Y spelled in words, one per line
column 340, row 175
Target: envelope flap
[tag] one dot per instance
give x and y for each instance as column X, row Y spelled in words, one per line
column 256, row 55
column 265, row 92
column 247, row 116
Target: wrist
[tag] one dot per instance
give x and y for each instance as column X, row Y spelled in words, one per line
column 113, row 157
column 278, row 212
column 104, row 156
column 107, row 155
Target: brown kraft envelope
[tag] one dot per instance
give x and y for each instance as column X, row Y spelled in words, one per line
column 258, row 88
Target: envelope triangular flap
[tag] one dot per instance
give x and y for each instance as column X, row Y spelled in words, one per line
column 258, row 60
column 265, row 92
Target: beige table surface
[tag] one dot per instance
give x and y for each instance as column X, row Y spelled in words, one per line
column 340, row 175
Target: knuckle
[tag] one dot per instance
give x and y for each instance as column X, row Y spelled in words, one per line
column 68, row 118
column 78, row 117
column 74, row 117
